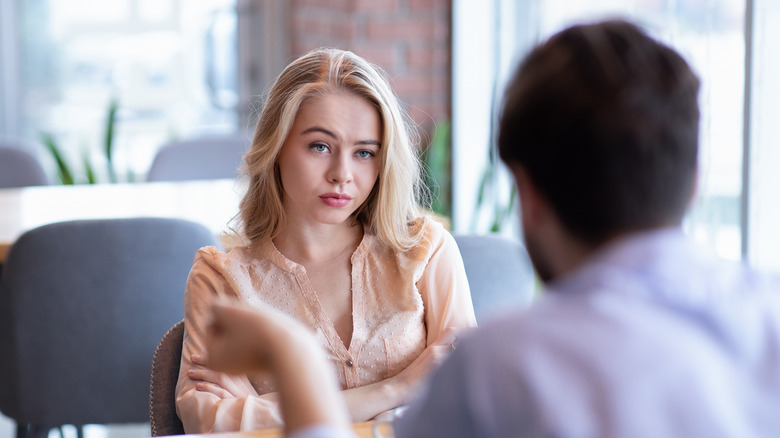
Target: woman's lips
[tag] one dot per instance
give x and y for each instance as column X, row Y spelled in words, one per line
column 336, row 199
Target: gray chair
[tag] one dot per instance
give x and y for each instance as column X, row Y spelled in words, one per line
column 18, row 168
column 83, row 305
column 499, row 271
column 201, row 158
column 165, row 374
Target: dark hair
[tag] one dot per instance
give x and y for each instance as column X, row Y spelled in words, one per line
column 605, row 121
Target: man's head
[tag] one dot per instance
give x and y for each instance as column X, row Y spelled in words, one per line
column 604, row 122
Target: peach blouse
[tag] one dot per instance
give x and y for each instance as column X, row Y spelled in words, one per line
column 401, row 301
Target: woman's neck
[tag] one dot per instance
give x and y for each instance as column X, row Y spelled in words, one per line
column 317, row 245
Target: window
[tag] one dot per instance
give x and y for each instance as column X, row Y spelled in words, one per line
column 732, row 212
column 170, row 65
column 761, row 208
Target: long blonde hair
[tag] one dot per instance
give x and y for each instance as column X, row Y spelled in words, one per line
column 395, row 201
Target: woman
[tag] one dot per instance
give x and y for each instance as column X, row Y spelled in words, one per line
column 335, row 239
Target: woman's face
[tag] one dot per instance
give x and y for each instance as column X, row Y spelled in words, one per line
column 330, row 161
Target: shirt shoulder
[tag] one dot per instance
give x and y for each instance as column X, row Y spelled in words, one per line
column 220, row 260
column 433, row 237
column 242, row 269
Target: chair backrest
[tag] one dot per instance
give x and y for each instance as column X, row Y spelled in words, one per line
column 19, row 168
column 83, row 305
column 201, row 158
column 165, row 375
column 500, row 273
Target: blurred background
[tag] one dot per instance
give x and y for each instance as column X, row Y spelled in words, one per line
column 154, row 71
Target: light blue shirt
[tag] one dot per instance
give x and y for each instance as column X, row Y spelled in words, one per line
column 652, row 337
column 321, row 431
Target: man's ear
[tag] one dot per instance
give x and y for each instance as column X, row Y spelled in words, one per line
column 532, row 205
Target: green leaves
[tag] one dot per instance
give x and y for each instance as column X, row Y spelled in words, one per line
column 438, row 161
column 109, row 140
column 89, row 170
column 64, row 174
column 490, row 200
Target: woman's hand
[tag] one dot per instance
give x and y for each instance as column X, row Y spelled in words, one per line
column 218, row 383
column 408, row 380
column 368, row 401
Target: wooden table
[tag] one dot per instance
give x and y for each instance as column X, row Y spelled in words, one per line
column 363, row 430
column 210, row 202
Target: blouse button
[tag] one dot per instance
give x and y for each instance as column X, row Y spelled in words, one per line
column 349, row 363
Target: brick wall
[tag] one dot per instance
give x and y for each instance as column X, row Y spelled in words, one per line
column 410, row 39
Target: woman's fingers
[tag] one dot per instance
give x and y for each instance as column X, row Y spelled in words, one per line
column 206, row 375
column 235, row 386
column 198, row 359
column 448, row 337
column 214, row 389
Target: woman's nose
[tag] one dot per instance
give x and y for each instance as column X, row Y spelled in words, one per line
column 340, row 171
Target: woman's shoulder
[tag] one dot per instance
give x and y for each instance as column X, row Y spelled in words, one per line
column 206, row 255
column 432, row 235
column 219, row 259
column 435, row 229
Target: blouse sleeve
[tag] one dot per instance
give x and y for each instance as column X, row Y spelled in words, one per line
column 444, row 287
column 204, row 412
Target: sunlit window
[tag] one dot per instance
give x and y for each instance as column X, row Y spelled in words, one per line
column 169, row 65
column 712, row 36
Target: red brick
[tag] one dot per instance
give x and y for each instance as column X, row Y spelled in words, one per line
column 303, row 26
column 375, row 5
column 347, row 29
column 298, row 48
column 440, row 82
column 384, row 55
column 312, row 43
column 410, row 39
column 412, row 84
column 402, row 30
column 426, row 115
column 421, row 117
column 329, row 4
column 440, row 112
column 436, row 57
column 441, row 29
column 332, row 27
column 427, row 5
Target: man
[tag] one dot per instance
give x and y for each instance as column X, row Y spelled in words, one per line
column 639, row 332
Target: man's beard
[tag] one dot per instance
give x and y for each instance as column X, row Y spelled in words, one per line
column 538, row 258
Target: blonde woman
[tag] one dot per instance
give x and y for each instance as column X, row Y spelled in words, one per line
column 337, row 240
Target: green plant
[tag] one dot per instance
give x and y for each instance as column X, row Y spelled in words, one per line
column 65, row 173
column 492, row 203
column 489, row 197
column 108, row 144
column 438, row 164
column 89, row 170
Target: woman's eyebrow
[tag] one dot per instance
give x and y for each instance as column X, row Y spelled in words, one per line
column 332, row 134
column 320, row 129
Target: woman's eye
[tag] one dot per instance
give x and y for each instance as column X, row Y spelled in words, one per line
column 319, row 147
column 365, row 154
